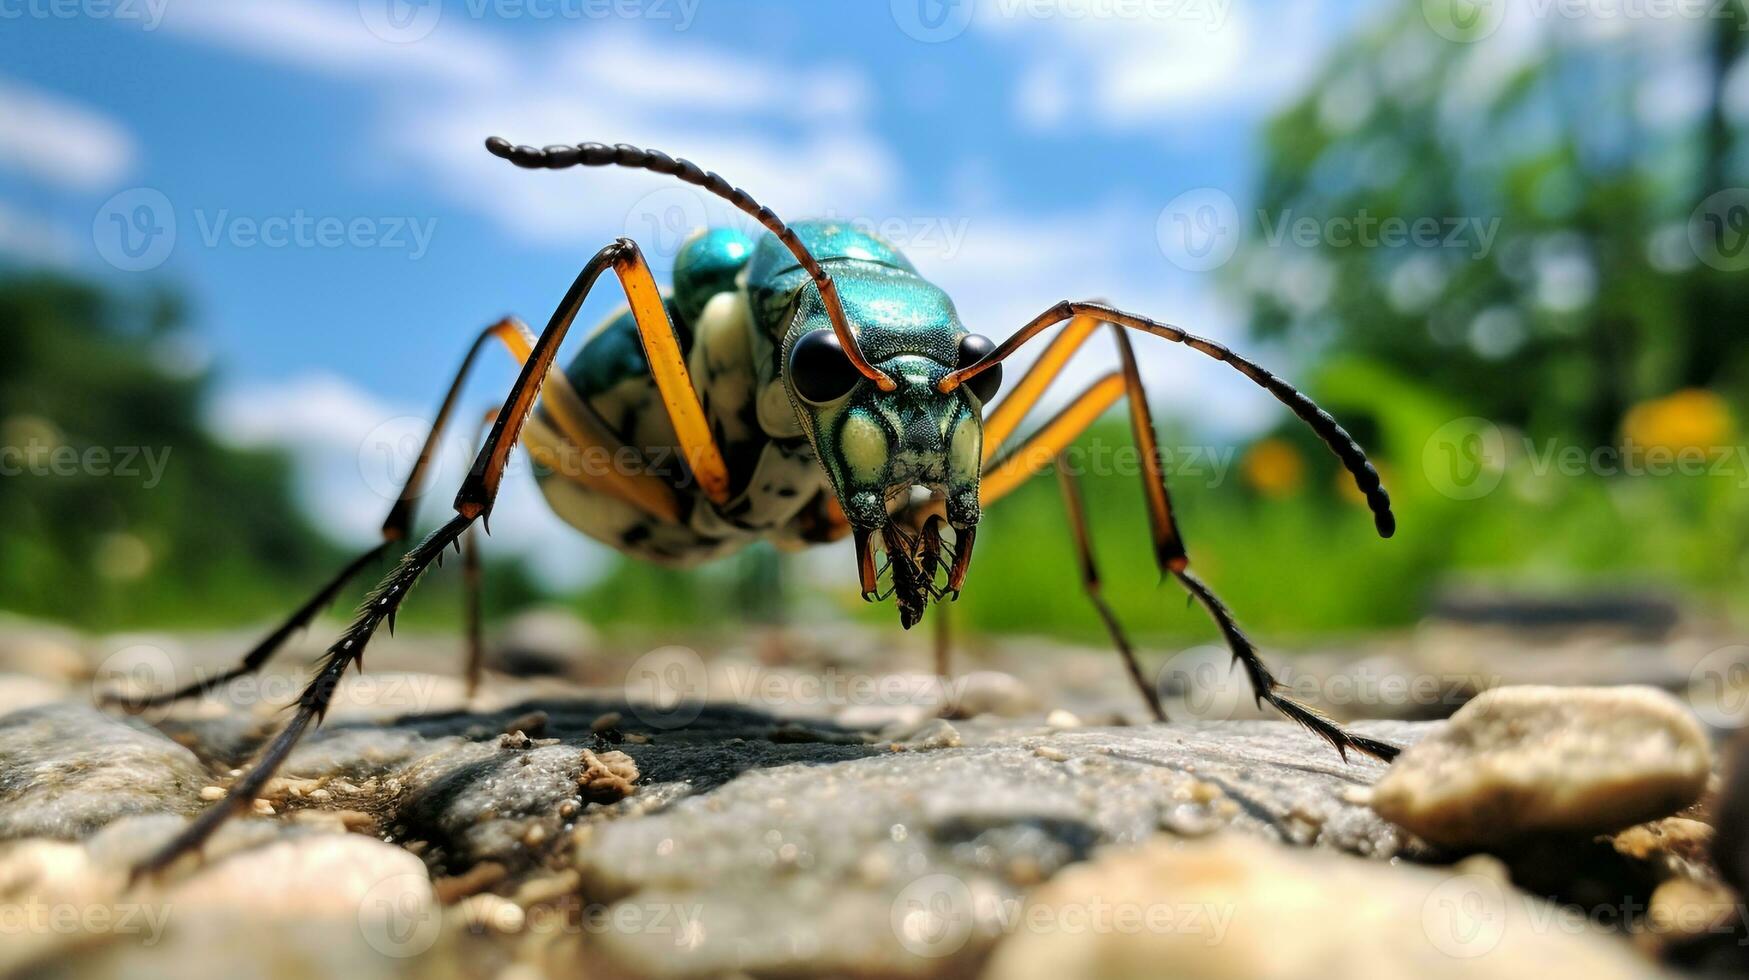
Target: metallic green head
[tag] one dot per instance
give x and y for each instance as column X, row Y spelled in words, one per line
column 903, row 461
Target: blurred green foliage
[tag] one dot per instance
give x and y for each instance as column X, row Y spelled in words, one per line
column 93, row 389
column 121, row 509
column 1572, row 167
column 1472, row 370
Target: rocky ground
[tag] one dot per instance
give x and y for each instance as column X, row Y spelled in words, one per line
column 800, row 806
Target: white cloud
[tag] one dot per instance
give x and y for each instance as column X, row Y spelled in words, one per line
column 795, row 136
column 1126, row 64
column 352, row 449
column 799, row 136
column 61, row 142
column 1011, row 267
column 334, row 38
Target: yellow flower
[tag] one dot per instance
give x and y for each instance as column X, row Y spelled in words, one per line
column 1274, row 468
column 1692, row 418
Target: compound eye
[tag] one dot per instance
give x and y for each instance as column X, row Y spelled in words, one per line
column 819, row 368
column 973, row 348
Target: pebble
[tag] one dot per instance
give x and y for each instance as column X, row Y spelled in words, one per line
column 1062, row 720
column 607, row 777
column 936, row 733
column 1521, row 761
column 1231, row 906
column 87, row 768
column 990, row 692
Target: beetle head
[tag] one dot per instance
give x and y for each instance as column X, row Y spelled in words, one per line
column 902, row 462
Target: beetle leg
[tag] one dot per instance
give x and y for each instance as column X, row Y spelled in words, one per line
column 1077, row 512
column 473, row 503
column 1046, row 446
column 396, row 527
column 1327, row 429
column 472, row 589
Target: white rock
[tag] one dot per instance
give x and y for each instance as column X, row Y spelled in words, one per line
column 991, row 692
column 1518, row 761
column 1232, row 906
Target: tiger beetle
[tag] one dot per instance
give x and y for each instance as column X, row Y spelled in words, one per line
column 813, row 386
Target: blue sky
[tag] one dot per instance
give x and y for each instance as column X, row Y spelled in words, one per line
column 1023, row 158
